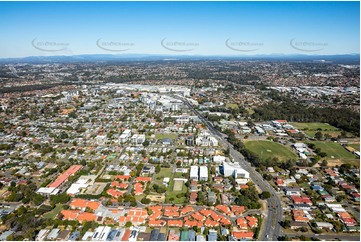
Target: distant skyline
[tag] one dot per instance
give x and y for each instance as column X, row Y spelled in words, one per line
column 179, row 28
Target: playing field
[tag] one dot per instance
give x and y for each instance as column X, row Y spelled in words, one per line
column 310, row 129
column 175, row 188
column 231, row 105
column 314, row 126
column 334, row 150
column 178, row 186
column 162, row 136
column 164, row 172
column 269, row 149
column 312, row 133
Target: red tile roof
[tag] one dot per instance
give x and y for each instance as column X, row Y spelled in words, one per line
column 224, row 209
column 126, row 235
column 198, row 216
column 70, row 214
column 301, row 200
column 65, row 175
column 119, row 185
column 86, row 217
column 211, row 223
column 143, row 179
column 157, row 223
column 138, row 212
column 206, row 212
column 242, row 235
column 344, row 215
column 237, row 210
column 252, row 221
column 175, row 223
column 138, row 188
column 83, row 203
column 186, row 210
column 115, row 193
column 242, row 223
column 122, row 177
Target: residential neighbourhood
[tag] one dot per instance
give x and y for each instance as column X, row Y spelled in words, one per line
column 145, row 161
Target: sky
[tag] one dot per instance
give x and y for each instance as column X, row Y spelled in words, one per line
column 178, row 28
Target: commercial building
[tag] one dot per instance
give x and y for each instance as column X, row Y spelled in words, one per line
column 64, row 177
column 194, row 173
column 235, row 170
column 203, row 173
column 125, row 136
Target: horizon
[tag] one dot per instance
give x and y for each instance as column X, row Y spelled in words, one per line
column 232, row 29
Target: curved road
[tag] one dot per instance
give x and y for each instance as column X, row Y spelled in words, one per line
column 271, row 228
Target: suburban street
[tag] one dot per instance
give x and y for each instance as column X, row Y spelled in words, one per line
column 271, row 228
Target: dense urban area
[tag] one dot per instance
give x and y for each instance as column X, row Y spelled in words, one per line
column 180, row 150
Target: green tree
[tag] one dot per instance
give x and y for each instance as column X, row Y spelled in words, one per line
column 265, row 195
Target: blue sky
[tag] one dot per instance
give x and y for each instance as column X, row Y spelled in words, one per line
column 192, row 28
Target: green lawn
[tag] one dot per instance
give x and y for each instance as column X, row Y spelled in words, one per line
column 52, row 214
column 173, row 194
column 231, row 105
column 315, row 126
column 311, row 133
column 269, row 149
column 250, row 111
column 311, row 129
column 334, row 150
column 168, row 172
column 164, row 172
column 162, row 136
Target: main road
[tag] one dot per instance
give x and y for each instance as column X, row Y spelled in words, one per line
column 271, row 228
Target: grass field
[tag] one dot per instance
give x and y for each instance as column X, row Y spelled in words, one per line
column 268, row 149
column 311, row 129
column 162, row 136
column 355, row 146
column 178, row 186
column 164, row 172
column 334, row 150
column 52, row 214
column 171, row 193
column 231, row 105
column 315, row 126
column 311, row 133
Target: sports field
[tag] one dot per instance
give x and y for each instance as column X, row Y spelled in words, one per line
column 311, row 129
column 178, row 185
column 334, row 150
column 162, row 136
column 269, row 149
column 175, row 188
column 314, row 126
column 164, row 172
column 232, row 105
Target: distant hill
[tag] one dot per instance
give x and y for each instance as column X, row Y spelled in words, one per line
column 93, row 58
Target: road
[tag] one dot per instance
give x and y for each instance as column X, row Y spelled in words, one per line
column 271, row 228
